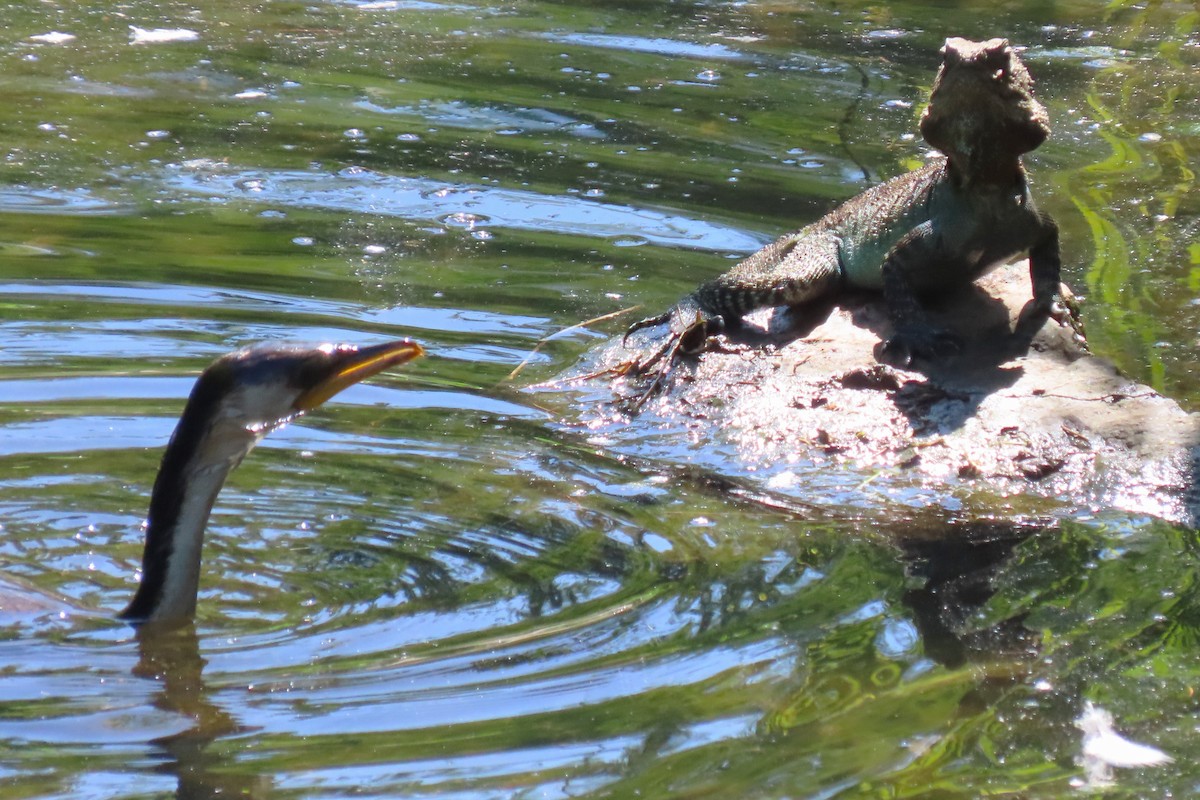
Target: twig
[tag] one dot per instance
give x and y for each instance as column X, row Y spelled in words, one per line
column 537, row 347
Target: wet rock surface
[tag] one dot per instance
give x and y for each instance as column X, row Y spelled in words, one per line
column 1023, row 422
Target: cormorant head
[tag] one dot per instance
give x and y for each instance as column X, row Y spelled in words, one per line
column 259, row 388
column 236, row 401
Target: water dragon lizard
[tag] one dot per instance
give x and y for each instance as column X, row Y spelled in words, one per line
column 940, row 226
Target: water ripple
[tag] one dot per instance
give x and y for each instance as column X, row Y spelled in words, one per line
column 44, row 340
column 28, row 200
column 96, row 432
column 404, row 5
column 641, row 44
column 459, row 114
column 362, row 191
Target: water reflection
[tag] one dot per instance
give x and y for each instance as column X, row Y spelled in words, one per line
column 172, row 659
column 655, row 664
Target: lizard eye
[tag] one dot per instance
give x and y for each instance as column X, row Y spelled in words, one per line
column 999, row 74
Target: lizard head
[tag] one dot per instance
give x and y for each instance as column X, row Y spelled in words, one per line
column 982, row 113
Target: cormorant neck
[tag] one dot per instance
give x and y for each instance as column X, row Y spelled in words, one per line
column 203, row 450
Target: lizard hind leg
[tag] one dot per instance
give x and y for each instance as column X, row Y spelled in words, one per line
column 914, row 334
column 689, row 329
column 794, row 270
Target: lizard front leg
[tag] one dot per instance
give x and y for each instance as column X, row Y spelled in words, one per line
column 689, row 327
column 1045, row 268
column 1045, row 271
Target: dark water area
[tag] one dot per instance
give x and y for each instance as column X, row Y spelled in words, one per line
column 441, row 585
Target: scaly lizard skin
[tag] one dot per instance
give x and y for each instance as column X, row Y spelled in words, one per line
column 941, row 226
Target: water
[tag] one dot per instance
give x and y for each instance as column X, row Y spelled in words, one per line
column 437, row 585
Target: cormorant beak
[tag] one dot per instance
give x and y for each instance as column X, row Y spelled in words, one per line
column 347, row 365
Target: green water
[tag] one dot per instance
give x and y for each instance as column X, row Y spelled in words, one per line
column 438, row 585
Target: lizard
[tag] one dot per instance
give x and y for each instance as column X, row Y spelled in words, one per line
column 941, row 226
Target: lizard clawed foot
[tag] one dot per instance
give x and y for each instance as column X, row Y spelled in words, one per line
column 691, row 328
column 1063, row 308
column 908, row 344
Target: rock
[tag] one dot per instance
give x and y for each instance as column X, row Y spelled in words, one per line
column 1020, row 422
